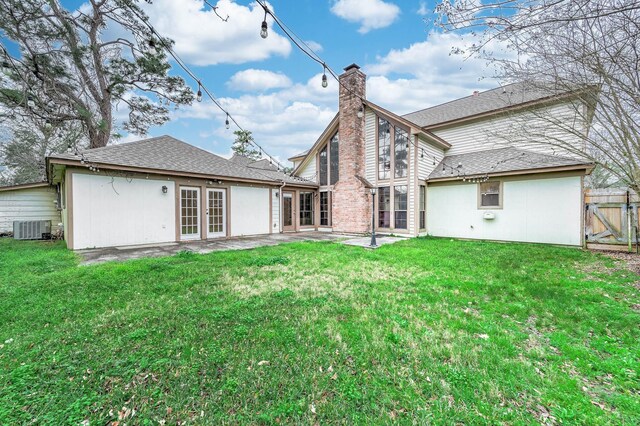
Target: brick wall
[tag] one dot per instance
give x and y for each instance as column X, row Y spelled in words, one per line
column 351, row 199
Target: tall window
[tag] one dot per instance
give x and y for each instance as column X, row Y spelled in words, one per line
column 323, row 166
column 334, row 159
column 306, row 208
column 384, row 149
column 324, row 208
column 400, row 206
column 490, row 195
column 423, row 207
column 400, row 152
column 384, row 207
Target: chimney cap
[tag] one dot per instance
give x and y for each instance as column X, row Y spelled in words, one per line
column 352, row 66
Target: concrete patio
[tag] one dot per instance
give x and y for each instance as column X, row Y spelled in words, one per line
column 119, row 254
column 101, row 255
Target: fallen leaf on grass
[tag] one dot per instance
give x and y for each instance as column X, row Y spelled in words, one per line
column 263, row 362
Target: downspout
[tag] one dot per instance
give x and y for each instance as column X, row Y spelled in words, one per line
column 281, row 207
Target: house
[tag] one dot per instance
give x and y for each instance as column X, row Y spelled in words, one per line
column 440, row 171
column 27, row 202
column 446, row 171
column 163, row 190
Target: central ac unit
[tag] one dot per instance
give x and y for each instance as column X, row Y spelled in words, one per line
column 32, row 230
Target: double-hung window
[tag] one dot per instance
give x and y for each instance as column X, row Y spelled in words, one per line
column 400, row 206
column 323, row 166
column 490, row 195
column 306, row 208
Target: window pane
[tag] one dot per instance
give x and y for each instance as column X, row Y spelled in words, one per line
column 324, row 208
column 384, row 149
column 306, row 208
column 400, row 204
column 400, row 154
column 323, row 166
column 334, row 159
column 489, row 200
column 384, row 207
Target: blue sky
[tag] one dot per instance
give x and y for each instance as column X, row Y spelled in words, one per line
column 275, row 91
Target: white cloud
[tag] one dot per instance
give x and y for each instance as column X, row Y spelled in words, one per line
column 423, row 10
column 314, row 45
column 258, row 80
column 203, row 39
column 284, row 121
column 426, row 74
column 370, row 14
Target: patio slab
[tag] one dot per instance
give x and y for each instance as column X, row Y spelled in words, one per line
column 119, row 254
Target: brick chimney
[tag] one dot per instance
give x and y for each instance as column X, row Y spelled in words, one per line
column 351, row 199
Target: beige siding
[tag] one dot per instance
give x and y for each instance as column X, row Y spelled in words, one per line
column 533, row 130
column 28, row 204
column 309, row 170
column 431, row 155
column 370, row 145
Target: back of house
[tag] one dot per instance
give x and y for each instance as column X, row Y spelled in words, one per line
column 501, row 165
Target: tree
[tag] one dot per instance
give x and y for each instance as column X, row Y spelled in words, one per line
column 243, row 145
column 587, row 47
column 68, row 70
column 23, row 151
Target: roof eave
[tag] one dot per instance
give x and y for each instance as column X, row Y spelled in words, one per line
column 587, row 167
column 134, row 169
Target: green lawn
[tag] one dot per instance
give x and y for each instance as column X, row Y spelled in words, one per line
column 423, row 331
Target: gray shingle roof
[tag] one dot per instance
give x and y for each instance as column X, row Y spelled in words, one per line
column 169, row 154
column 498, row 160
column 264, row 167
column 490, row 100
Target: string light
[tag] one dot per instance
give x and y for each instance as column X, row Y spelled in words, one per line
column 264, row 28
column 226, row 124
column 199, row 94
column 325, row 83
column 202, row 89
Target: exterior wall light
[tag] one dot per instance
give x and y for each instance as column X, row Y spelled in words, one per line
column 165, row 189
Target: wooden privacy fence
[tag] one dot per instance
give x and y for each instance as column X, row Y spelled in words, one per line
column 611, row 217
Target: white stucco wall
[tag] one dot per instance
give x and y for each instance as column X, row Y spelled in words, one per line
column 249, row 211
column 28, row 204
column 117, row 211
column 535, row 210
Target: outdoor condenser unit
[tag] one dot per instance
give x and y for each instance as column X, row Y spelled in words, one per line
column 32, row 230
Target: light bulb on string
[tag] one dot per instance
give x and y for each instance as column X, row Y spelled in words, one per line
column 226, row 122
column 264, row 28
column 325, row 83
column 199, row 94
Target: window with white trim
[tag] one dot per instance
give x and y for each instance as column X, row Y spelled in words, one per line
column 490, row 194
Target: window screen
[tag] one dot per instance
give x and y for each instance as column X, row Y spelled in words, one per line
column 490, row 194
column 306, row 208
column 400, row 204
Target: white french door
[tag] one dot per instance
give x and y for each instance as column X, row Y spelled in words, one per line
column 189, row 213
column 216, row 213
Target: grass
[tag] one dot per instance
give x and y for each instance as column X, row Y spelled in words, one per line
column 422, row 331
